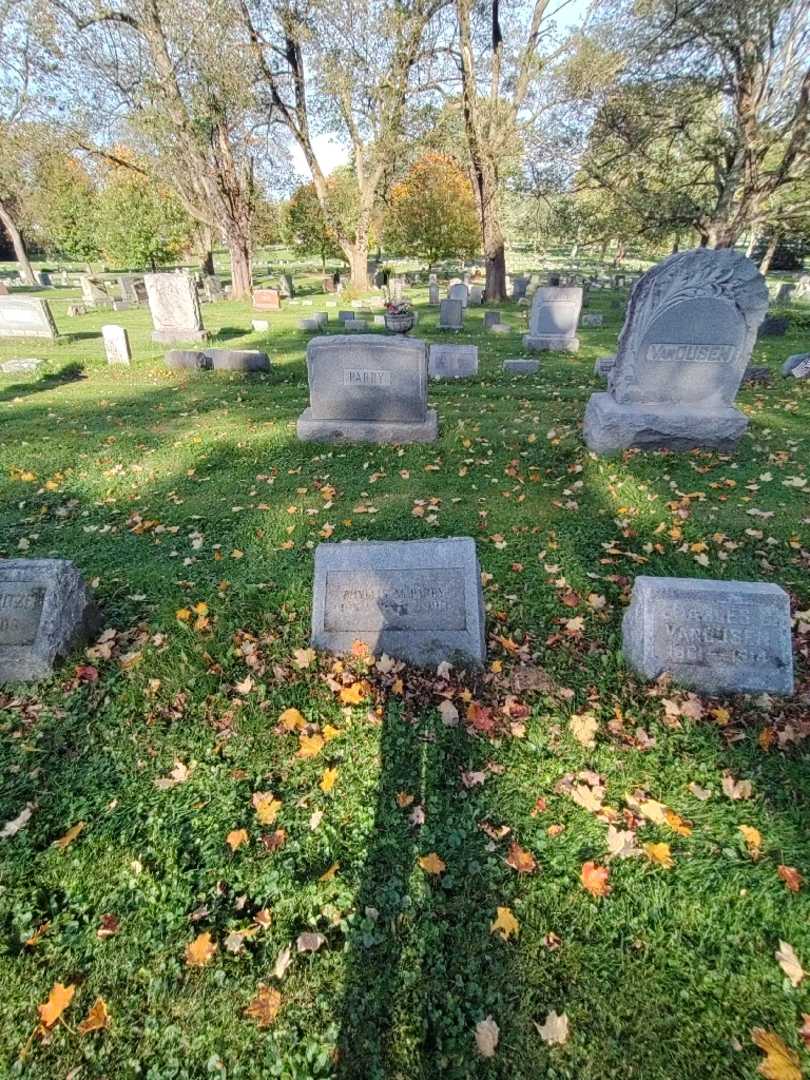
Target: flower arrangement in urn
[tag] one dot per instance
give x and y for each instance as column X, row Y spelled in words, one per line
column 399, row 316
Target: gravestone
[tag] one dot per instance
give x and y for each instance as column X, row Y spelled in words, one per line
column 451, row 315
column 500, row 328
column 355, row 326
column 94, row 294
column 21, row 366
column 45, row 610
column 415, row 600
column 686, row 341
column 433, row 294
column 129, row 292
column 491, row 317
column 43, row 279
column 591, row 318
column 460, row 292
column 519, row 286
column 718, row 637
column 175, row 308
column 396, row 287
column 476, row 297
column 367, row 388
column 604, row 365
column 553, row 320
column 238, row 360
column 784, row 294
column 797, row 365
column 266, row 300
column 261, row 326
column 345, row 316
column 26, row 316
column 773, row 326
column 212, row 288
column 452, row 361
column 187, row 360
column 520, row 366
column 287, row 289
column 802, row 288
column 116, row 344
column 309, row 325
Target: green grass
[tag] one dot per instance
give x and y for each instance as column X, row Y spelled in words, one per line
column 154, row 485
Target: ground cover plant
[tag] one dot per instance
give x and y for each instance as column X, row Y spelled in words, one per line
column 225, row 856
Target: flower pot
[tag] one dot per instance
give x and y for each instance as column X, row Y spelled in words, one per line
column 399, row 324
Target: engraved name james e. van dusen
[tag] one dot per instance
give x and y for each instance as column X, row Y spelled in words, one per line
column 683, row 353
column 691, row 632
column 20, row 612
column 366, row 377
column 395, row 600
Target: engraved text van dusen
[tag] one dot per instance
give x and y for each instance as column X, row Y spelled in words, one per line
column 395, row 600
column 695, row 632
column 20, row 612
column 684, row 353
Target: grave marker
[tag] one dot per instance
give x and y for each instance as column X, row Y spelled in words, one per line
column 175, row 308
column 553, row 319
column 417, row 600
column 26, row 316
column 266, row 300
column 451, row 315
column 460, row 292
column 116, row 344
column 453, row 361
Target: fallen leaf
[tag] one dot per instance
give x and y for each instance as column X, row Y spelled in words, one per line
column 283, row 961
column 448, row 713
column 791, row 877
column 432, row 864
column 109, row 927
column 621, row 843
column 804, row 1030
column 736, row 789
column 354, row 694
column 236, row 838
column 274, row 840
column 328, row 780
column 753, row 840
column 70, row 836
column 700, row 792
column 264, row 1007
column 486, row 1037
column 266, row 806
column 292, row 720
column 179, row 775
column 302, row 658
column 200, row 951
column 97, row 1018
column 235, row 941
column 521, row 860
column 554, row 1031
column 595, row 879
column 404, row 799
column 505, row 924
column 781, row 1063
column 310, row 942
column 584, row 727
column 327, row 875
column 11, row 828
column 677, row 824
column 789, row 963
column 660, row 854
column 58, row 1000
column 309, row 746
column 245, row 686
column 37, row 935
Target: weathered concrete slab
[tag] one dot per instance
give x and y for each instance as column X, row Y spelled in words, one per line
column 520, row 366
column 175, row 308
column 26, row 316
column 718, row 637
column 453, row 361
column 416, row 600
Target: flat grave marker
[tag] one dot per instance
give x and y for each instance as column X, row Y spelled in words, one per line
column 26, row 316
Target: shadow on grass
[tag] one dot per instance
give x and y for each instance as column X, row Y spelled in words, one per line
column 72, row 372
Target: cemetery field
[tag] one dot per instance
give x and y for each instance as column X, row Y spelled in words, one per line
column 270, row 863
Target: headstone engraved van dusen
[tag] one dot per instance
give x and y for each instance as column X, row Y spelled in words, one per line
column 26, row 316
column 175, row 308
column 45, row 609
column 453, row 361
column 116, row 344
column 553, row 319
column 686, row 342
column 367, row 388
column 415, row 600
column 718, row 637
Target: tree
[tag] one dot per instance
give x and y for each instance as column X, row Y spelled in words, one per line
column 362, row 59
column 432, row 211
column 740, row 73
column 305, row 226
column 63, row 205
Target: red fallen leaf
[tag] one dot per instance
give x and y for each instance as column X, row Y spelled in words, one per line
column 791, row 877
column 595, row 879
column 86, row 673
column 273, row 841
column 109, row 927
column 539, row 807
column 521, row 860
column 480, row 717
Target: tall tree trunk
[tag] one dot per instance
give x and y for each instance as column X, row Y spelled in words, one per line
column 752, row 243
column 14, row 234
column 770, row 251
column 241, row 281
column 357, row 253
column 486, row 196
column 204, row 248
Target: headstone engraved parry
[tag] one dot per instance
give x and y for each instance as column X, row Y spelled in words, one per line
column 687, row 339
column 719, row 637
column 453, row 361
column 45, row 609
column 553, row 319
column 367, row 388
column 451, row 315
column 174, row 307
column 26, row 316
column 416, row 600
column 116, row 344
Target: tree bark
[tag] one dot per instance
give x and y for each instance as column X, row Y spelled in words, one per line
column 752, row 243
column 241, row 278
column 770, row 251
column 17, row 242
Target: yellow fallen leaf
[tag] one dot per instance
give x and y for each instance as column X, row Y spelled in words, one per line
column 753, row 840
column 328, row 780
column 677, row 824
column 584, row 728
column 236, row 838
column 97, row 1018
column 309, row 746
column 266, row 806
column 264, row 1007
column 330, row 732
column 506, row 925
column 182, row 614
column 327, row 875
column 354, row 694
column 58, row 1000
column 200, row 951
column 432, row 864
column 201, row 609
column 70, row 836
column 292, row 720
column 781, row 1063
column 660, row 854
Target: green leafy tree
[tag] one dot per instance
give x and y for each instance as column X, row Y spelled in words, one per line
column 433, row 212
column 305, row 224
column 63, row 206
column 140, row 224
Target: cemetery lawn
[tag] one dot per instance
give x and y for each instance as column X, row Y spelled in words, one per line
column 195, row 511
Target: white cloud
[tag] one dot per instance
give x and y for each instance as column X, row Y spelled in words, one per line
column 329, row 154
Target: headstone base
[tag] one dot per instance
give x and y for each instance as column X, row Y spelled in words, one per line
column 604, row 365
column 550, row 343
column 610, row 427
column 168, row 337
column 367, row 431
column 521, row 367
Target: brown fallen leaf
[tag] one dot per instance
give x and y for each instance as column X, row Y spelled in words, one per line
column 70, row 836
column 595, row 879
column 486, row 1037
column 781, row 1063
column 554, row 1032
column 791, row 877
column 520, row 859
column 310, row 942
column 432, row 864
column 265, row 1006
column 58, row 1000
column 200, row 951
column 97, row 1018
column 109, row 927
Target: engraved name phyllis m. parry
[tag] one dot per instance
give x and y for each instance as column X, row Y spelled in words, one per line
column 395, row 600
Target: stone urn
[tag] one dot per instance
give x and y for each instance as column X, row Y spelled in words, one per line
column 399, row 324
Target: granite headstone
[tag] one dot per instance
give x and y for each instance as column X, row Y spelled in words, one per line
column 26, row 316
column 453, row 361
column 175, row 308
column 554, row 319
column 116, row 344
